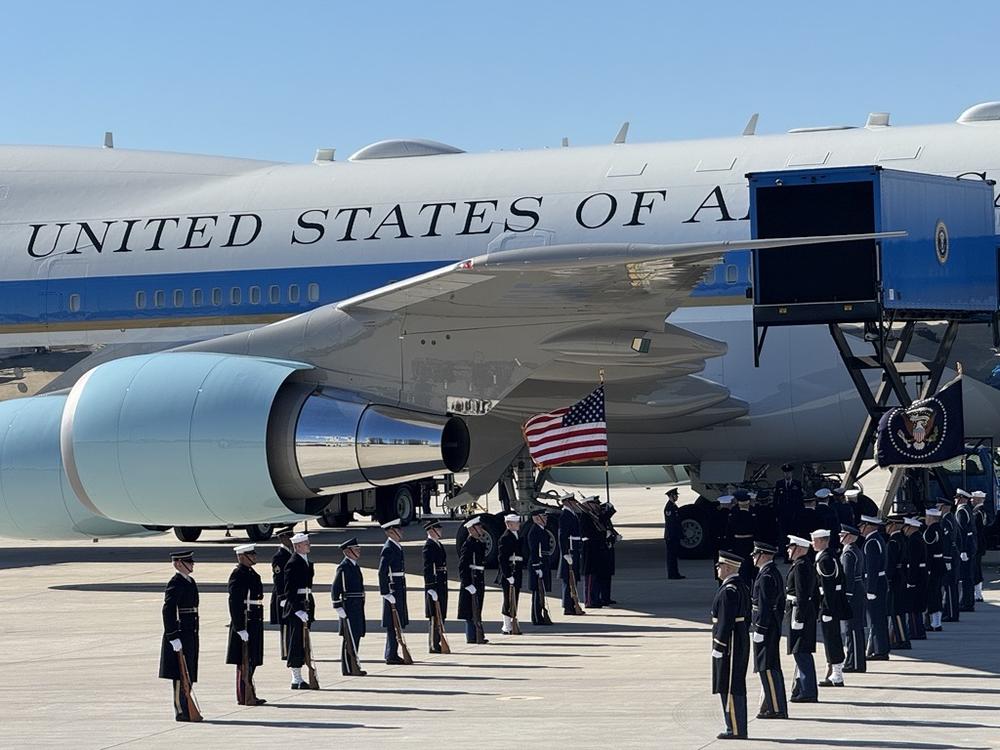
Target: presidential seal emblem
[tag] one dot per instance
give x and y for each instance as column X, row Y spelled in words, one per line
column 941, row 244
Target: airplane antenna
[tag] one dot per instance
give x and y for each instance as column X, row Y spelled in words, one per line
column 751, row 127
column 565, row 142
column 109, row 139
column 622, row 133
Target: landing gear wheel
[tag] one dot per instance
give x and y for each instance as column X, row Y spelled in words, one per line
column 260, row 532
column 696, row 534
column 187, row 533
column 396, row 502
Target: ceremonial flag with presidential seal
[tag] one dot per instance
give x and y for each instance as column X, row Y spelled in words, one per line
column 929, row 432
column 571, row 435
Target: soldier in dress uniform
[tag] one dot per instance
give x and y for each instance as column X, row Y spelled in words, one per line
column 765, row 519
column 435, row 583
column 672, row 533
column 278, row 563
column 246, row 620
column 472, row 577
column 570, row 549
column 348, row 595
column 300, row 607
column 720, row 523
column 852, row 631
column 800, row 618
column 982, row 523
column 949, row 537
column 899, row 595
column 843, row 509
column 540, row 577
column 863, row 505
column 611, row 537
column 740, row 533
column 934, row 542
column 768, row 599
column 826, row 517
column 876, row 588
column 808, row 520
column 967, row 552
column 916, row 577
column 595, row 552
column 392, row 587
column 833, row 607
column 787, row 502
column 731, row 645
column 510, row 569
column 180, row 630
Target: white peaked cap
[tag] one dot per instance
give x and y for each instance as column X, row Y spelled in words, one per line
column 932, row 512
column 978, row 494
column 872, row 520
column 393, row 523
column 472, row 522
column 511, row 518
column 912, row 522
column 962, row 493
column 798, row 541
column 725, row 499
column 820, row 534
column 299, row 538
column 823, row 492
column 854, row 492
column 241, row 549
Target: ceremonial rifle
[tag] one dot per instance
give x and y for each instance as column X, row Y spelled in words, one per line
column 515, row 627
column 194, row 714
column 307, row 647
column 353, row 662
column 439, row 620
column 397, row 626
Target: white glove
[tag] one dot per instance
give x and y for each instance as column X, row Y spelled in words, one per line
column 826, row 618
column 797, row 625
column 244, row 635
column 341, row 612
column 965, row 557
column 758, row 637
column 389, row 598
column 510, row 580
column 538, row 572
column 176, row 643
column 568, row 559
column 302, row 615
column 947, row 566
column 872, row 597
column 717, row 654
column 432, row 594
column 471, row 589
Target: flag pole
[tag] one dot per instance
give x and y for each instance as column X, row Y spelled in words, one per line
column 607, row 474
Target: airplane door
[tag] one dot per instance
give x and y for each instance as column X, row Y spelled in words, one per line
column 65, row 282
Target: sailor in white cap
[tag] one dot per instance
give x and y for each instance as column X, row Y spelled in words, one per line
column 934, row 542
column 967, row 552
column 392, row 586
column 472, row 578
column 246, row 623
column 982, row 523
column 510, row 571
column 800, row 619
column 300, row 608
column 833, row 607
column 180, row 633
column 916, row 577
column 876, row 588
column 571, row 549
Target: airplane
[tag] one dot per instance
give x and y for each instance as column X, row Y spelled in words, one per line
column 244, row 342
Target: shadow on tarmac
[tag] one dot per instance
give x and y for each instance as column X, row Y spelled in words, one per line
column 291, row 724
column 886, row 744
column 930, row 724
column 350, row 707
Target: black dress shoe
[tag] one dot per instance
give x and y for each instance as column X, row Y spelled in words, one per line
column 485, row 641
column 299, row 686
column 436, row 650
column 938, row 629
column 878, row 657
column 507, row 632
column 730, row 736
column 260, row 702
column 394, row 660
column 831, row 683
column 801, row 699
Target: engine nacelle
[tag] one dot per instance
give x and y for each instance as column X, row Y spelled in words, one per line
column 36, row 501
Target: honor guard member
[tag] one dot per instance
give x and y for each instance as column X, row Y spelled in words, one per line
column 435, row 584
column 510, row 569
column 348, row 595
column 800, row 617
column 934, row 543
column 472, row 577
column 842, row 507
column 899, row 595
column 982, row 523
column 278, row 563
column 720, row 523
column 246, row 621
column 949, row 536
column 916, row 578
column 967, row 552
column 540, row 577
column 765, row 520
column 808, row 520
column 787, row 501
column 731, row 645
column 300, row 607
column 826, row 517
column 768, row 600
column 180, row 631
column 672, row 533
column 612, row 537
column 740, row 533
column 876, row 588
column 852, row 630
column 570, row 549
column 392, row 586
column 595, row 552
column 863, row 505
column 833, row 608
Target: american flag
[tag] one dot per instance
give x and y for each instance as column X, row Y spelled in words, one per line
column 576, row 433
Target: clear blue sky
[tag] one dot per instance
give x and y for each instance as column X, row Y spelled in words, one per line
column 277, row 80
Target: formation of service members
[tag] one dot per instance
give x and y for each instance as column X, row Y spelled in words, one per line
column 869, row 585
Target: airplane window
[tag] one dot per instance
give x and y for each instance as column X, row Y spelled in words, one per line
column 217, row 297
column 255, row 295
column 140, row 300
column 159, row 298
column 732, row 274
column 197, row 298
column 178, row 298
column 293, row 293
column 312, row 292
column 273, row 294
column 74, row 303
column 235, row 295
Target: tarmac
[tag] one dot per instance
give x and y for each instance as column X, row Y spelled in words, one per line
column 80, row 635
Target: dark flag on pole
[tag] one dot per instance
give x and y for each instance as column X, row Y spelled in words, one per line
column 929, row 432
